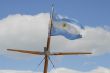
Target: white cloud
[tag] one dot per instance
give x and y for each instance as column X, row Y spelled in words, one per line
column 24, row 31
column 62, row 70
column 30, row 32
column 95, row 39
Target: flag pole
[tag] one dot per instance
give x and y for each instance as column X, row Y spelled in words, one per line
column 47, row 48
column 50, row 27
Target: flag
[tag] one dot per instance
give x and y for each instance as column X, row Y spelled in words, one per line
column 69, row 28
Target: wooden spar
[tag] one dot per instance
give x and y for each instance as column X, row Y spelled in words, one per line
column 48, row 40
column 69, row 53
column 27, row 51
column 46, row 64
column 50, row 29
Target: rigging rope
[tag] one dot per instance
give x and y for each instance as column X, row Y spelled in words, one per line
column 40, row 63
column 52, row 64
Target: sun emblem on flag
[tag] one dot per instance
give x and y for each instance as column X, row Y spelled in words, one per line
column 64, row 25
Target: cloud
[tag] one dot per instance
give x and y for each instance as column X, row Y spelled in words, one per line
column 62, row 70
column 24, row 32
column 30, row 32
column 95, row 39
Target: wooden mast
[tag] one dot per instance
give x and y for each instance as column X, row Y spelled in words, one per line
column 47, row 49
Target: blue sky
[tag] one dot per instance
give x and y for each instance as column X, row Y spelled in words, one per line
column 94, row 13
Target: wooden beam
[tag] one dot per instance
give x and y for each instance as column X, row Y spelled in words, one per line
column 70, row 53
column 50, row 28
column 48, row 41
column 46, row 64
column 27, row 51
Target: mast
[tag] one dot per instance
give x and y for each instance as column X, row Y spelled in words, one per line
column 50, row 28
column 47, row 49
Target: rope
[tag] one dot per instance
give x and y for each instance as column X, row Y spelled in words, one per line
column 52, row 64
column 40, row 63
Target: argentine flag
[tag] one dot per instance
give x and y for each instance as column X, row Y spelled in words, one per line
column 69, row 28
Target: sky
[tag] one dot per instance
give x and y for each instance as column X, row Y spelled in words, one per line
column 24, row 25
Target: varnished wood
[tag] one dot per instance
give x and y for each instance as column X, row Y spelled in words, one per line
column 70, row 53
column 46, row 64
column 48, row 41
column 50, row 29
column 27, row 51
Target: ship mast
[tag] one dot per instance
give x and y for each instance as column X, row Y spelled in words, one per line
column 47, row 49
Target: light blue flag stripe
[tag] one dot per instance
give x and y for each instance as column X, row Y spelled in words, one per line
column 69, row 36
column 57, row 31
